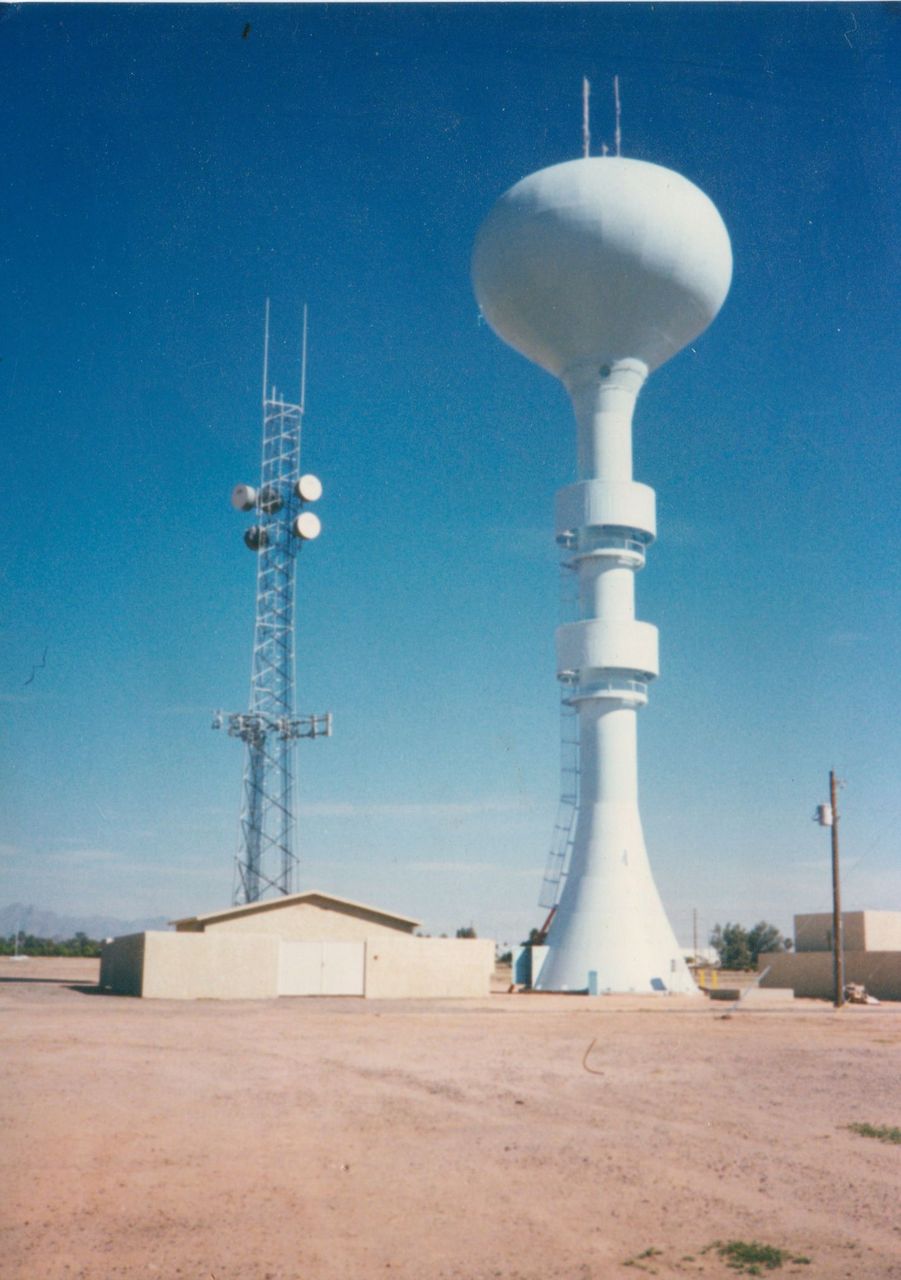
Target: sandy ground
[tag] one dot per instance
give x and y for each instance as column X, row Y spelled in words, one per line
column 323, row 1139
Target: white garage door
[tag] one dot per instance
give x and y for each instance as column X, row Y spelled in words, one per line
column 321, row 968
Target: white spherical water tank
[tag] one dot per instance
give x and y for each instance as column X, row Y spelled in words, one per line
column 600, row 260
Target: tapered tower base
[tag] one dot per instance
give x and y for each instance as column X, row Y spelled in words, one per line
column 610, row 932
column 615, row 937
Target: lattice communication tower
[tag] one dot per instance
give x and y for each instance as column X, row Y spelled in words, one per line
column 266, row 861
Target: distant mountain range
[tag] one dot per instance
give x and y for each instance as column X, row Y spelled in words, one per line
column 47, row 924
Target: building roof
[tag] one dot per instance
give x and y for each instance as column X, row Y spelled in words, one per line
column 275, row 904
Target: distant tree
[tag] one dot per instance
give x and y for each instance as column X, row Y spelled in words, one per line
column 82, row 945
column 730, row 942
column 467, row 932
column 505, row 957
column 29, row 945
column 739, row 948
column 764, row 938
column 536, row 938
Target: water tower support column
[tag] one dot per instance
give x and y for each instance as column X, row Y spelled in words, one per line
column 609, row 921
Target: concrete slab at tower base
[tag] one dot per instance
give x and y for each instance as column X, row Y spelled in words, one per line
column 771, row 998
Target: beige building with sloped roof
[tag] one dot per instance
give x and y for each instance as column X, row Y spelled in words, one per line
column 308, row 917
column 303, row 944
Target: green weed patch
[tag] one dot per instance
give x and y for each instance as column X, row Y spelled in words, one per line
column 882, row 1132
column 751, row 1258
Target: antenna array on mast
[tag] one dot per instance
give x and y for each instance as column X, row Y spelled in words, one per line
column 303, row 363
column 586, row 131
column 618, row 133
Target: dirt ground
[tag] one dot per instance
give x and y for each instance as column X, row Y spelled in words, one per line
column 324, row 1139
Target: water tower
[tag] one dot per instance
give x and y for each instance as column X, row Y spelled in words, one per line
column 599, row 270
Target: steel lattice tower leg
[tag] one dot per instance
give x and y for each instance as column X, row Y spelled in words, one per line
column 266, row 861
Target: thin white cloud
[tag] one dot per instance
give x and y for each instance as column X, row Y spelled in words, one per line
column 426, row 809
column 531, row 542
column 84, row 841
column 205, row 818
column 84, row 856
column 198, row 869
column 684, row 533
column 183, row 709
column 456, row 867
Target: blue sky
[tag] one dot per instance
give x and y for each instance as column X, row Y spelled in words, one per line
column 162, row 174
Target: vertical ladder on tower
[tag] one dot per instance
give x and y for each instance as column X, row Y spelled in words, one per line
column 568, row 806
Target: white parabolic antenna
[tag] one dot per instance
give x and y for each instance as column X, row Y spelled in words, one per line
column 599, row 270
column 307, row 526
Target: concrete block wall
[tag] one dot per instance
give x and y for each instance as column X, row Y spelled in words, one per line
column 122, row 965
column 861, row 931
column 882, row 930
column 814, row 932
column 191, row 966
column 428, row 967
column 809, row 973
column 217, row 966
column 227, row 965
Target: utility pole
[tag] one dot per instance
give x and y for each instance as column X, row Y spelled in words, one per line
column 838, row 955
column 827, row 816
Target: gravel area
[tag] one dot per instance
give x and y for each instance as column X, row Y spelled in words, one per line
column 520, row 1137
